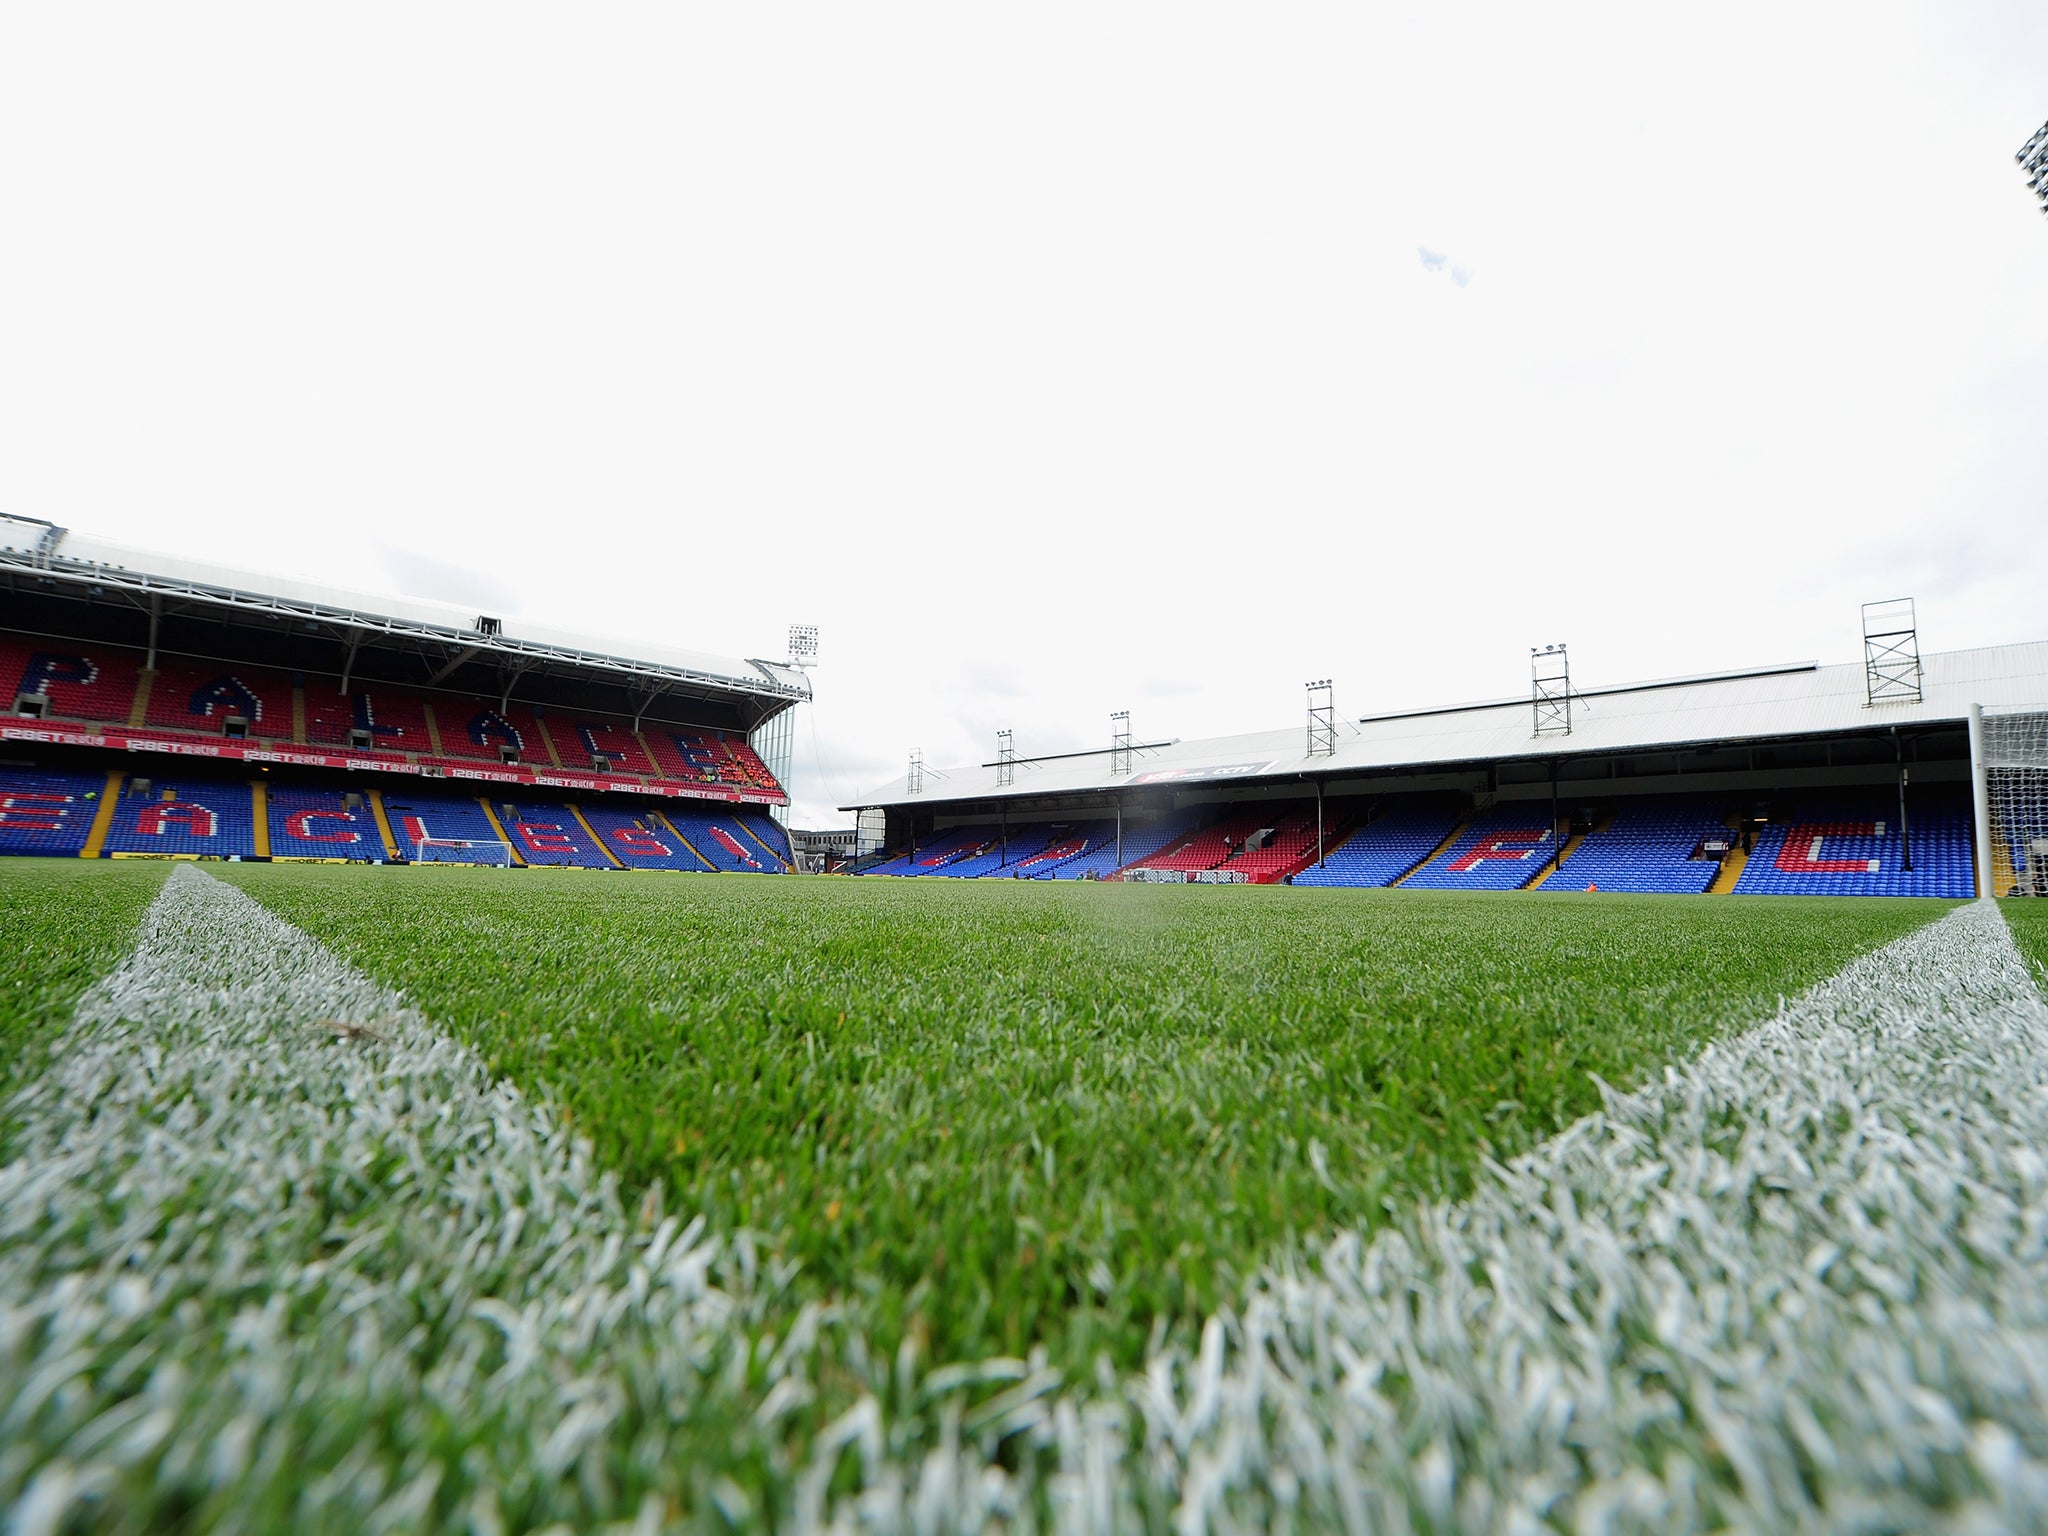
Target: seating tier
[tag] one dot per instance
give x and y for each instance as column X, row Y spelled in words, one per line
column 214, row 818
column 92, row 684
column 321, row 824
column 47, row 813
column 1383, row 850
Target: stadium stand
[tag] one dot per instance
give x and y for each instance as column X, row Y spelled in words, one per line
column 47, row 813
column 598, row 745
column 1845, row 844
column 321, row 824
column 1384, row 849
column 640, row 840
column 547, row 832
column 213, row 819
column 1065, row 845
column 391, row 718
column 1285, row 834
column 415, row 816
column 764, row 831
column 1648, row 846
column 1140, row 842
column 1502, row 850
column 202, row 697
column 1000, row 859
column 725, row 841
column 475, row 732
column 1290, row 845
column 707, row 757
column 929, row 858
column 95, row 685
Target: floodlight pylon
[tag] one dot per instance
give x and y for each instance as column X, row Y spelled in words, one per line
column 1322, row 719
column 1120, row 742
column 914, row 785
column 1550, row 690
column 1891, row 653
column 1006, row 760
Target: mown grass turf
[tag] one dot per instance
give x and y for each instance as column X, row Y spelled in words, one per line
column 2028, row 919
column 1000, row 1116
column 63, row 924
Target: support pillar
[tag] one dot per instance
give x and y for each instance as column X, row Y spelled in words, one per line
column 1980, row 794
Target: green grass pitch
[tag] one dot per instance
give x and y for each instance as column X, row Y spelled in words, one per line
column 997, row 1116
column 65, row 922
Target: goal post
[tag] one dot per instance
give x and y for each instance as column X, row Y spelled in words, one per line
column 2009, row 773
column 462, row 850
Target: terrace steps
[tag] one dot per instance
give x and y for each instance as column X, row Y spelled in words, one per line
column 1571, row 846
column 384, row 832
column 1730, row 871
column 103, row 818
column 677, row 833
column 741, row 822
column 1440, row 849
column 596, row 842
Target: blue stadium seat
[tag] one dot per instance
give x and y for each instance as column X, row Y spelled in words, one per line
column 1503, row 850
column 641, row 840
column 47, row 813
column 207, row 819
column 1648, row 846
column 731, row 842
column 1849, row 845
column 321, row 824
column 546, row 832
column 1384, row 849
column 414, row 816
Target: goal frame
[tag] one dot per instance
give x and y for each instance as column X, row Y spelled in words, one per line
column 2009, row 783
column 466, row 844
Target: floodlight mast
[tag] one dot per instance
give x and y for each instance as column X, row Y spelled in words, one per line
column 803, row 646
column 1006, row 760
column 1550, row 690
column 1891, row 653
column 1120, row 742
column 1322, row 719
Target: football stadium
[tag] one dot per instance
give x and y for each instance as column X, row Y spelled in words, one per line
column 396, row 1144
column 466, row 1071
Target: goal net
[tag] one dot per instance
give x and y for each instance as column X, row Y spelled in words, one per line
column 462, row 850
column 2016, row 774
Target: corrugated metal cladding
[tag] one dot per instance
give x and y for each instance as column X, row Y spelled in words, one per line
column 1728, row 708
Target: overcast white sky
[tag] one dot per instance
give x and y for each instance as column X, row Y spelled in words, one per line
column 1053, row 359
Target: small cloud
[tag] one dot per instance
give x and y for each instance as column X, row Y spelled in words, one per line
column 1437, row 261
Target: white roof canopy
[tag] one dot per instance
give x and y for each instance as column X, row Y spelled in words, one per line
column 30, row 547
column 1770, row 703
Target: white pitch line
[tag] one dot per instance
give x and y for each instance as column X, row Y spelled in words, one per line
column 266, row 1225
column 1799, row 1283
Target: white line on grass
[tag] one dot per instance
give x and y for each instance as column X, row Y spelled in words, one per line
column 252, row 1274
column 1801, row 1283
